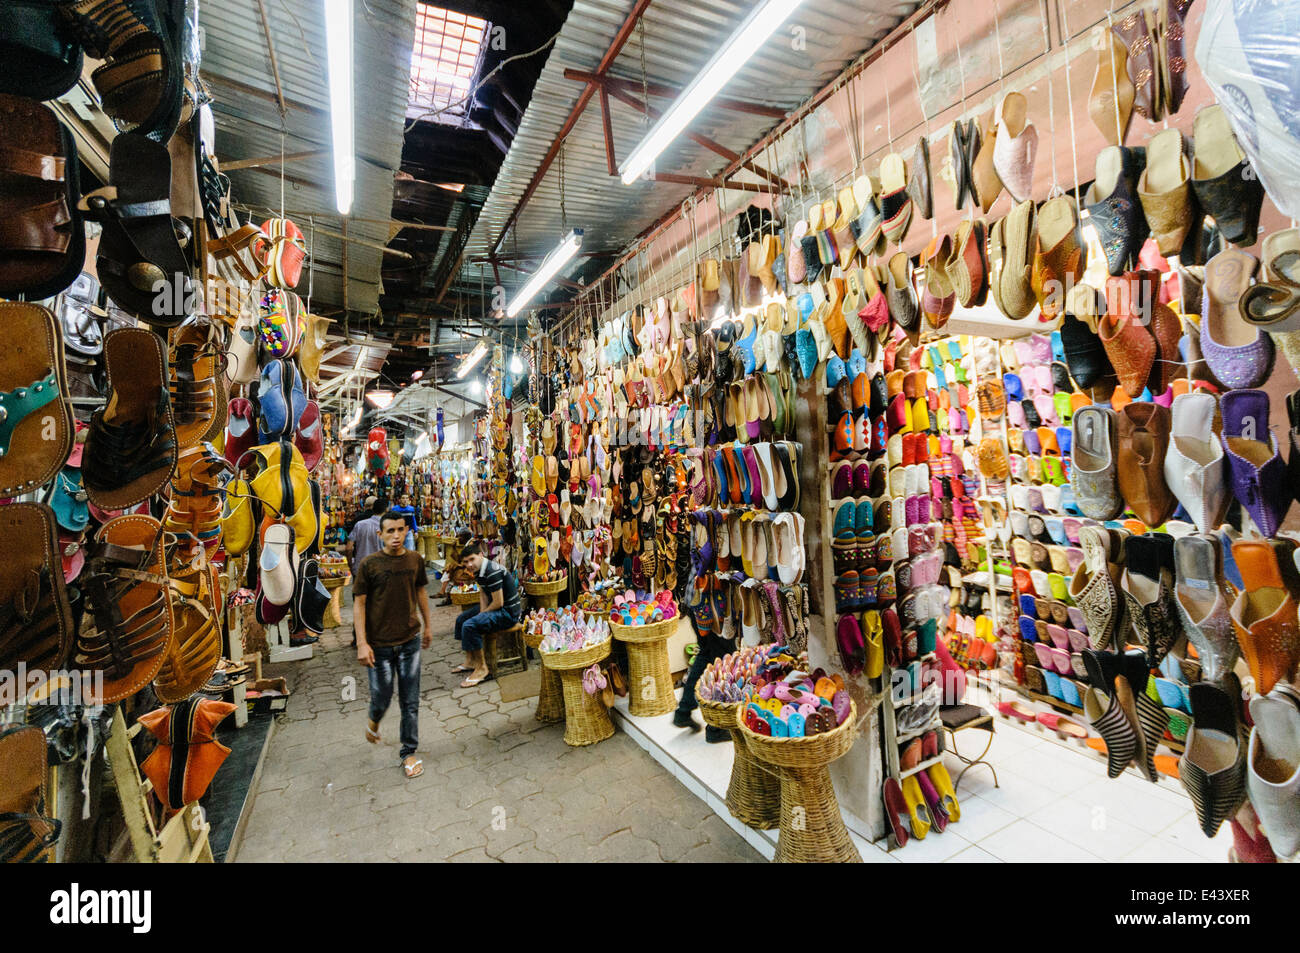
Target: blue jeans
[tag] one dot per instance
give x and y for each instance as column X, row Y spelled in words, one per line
column 400, row 663
column 472, row 625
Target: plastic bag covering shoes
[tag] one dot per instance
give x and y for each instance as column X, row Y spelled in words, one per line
column 1264, row 614
column 1013, row 154
column 1094, row 474
column 1239, row 354
column 131, row 445
column 1259, row 477
column 1204, row 598
column 1194, row 468
column 36, row 429
column 1224, row 182
column 1273, row 775
column 1165, row 190
column 1114, row 209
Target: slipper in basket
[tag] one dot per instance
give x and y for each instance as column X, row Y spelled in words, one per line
column 36, row 428
column 131, row 445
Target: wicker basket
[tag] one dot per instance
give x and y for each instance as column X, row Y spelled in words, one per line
column 650, row 681
column 586, row 720
column 754, row 792
column 550, row 698
column 464, row 598
column 812, row 830
column 654, row 632
column 576, row 661
column 546, row 588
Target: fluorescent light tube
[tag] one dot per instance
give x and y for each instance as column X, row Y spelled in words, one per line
column 474, row 356
column 338, row 38
column 765, row 20
column 553, row 263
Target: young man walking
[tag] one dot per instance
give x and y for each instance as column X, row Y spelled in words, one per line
column 498, row 608
column 391, row 615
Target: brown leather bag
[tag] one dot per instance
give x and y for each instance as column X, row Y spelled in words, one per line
column 42, row 237
column 26, row 835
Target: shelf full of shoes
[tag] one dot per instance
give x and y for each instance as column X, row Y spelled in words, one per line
column 1136, row 403
column 707, row 475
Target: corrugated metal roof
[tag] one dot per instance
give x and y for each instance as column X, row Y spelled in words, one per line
column 249, row 124
column 818, row 41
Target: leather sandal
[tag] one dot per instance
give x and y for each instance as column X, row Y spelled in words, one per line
column 196, row 648
column 193, row 360
column 131, row 445
column 128, row 628
column 32, row 388
column 26, row 834
column 43, row 243
column 36, row 624
column 141, row 81
column 139, row 252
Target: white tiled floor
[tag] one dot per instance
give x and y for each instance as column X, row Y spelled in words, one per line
column 1053, row 803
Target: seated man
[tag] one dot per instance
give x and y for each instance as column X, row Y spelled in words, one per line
column 498, row 608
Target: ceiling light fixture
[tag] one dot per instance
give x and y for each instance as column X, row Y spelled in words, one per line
column 380, row 398
column 516, row 365
column 471, row 359
column 338, row 38
column 765, row 20
column 553, row 263
column 416, row 375
column 476, row 387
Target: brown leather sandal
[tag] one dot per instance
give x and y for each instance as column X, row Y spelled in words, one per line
column 36, row 626
column 42, row 243
column 32, row 388
column 193, row 361
column 26, row 835
column 131, row 446
column 128, row 630
column 196, row 648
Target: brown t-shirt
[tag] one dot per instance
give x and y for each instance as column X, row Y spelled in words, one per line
column 391, row 585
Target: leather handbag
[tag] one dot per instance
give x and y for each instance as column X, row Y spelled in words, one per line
column 39, row 56
column 42, row 239
column 26, row 835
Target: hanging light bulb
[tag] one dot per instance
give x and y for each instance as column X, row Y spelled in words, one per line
column 516, row 365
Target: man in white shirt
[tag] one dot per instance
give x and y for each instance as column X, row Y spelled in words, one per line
column 364, row 540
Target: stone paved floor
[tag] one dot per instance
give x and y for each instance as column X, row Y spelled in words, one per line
column 497, row 785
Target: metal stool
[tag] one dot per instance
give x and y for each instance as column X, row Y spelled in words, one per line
column 957, row 718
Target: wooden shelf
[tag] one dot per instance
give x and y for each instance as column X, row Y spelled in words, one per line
column 920, row 767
